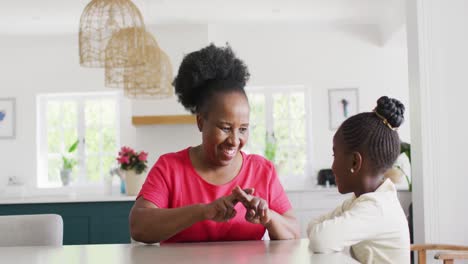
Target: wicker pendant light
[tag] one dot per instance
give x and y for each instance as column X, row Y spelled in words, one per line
column 152, row 79
column 121, row 51
column 100, row 20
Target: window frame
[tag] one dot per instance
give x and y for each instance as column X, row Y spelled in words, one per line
column 42, row 180
column 268, row 92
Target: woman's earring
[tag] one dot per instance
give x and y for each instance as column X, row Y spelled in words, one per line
column 352, row 170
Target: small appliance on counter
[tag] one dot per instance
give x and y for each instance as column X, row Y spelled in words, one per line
column 326, row 177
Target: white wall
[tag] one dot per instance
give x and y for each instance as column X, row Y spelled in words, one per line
column 317, row 56
column 438, row 61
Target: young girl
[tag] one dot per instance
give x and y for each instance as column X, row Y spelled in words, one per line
column 371, row 222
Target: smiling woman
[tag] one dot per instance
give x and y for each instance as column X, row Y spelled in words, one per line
column 214, row 191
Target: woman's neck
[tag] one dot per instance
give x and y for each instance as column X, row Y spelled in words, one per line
column 213, row 173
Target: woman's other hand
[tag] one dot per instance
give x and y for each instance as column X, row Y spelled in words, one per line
column 257, row 208
column 222, row 209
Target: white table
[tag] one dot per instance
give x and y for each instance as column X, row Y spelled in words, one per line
column 281, row 252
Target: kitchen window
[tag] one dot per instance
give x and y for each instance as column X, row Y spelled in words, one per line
column 279, row 123
column 90, row 118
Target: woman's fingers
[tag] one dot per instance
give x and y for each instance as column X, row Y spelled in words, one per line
column 239, row 194
column 257, row 208
column 264, row 210
column 243, row 195
column 250, row 214
column 232, row 214
column 229, row 210
column 255, row 203
column 249, row 191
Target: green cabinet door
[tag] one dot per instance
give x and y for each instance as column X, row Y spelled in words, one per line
column 75, row 230
column 84, row 222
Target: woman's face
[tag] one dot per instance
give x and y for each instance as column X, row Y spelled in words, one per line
column 342, row 164
column 225, row 127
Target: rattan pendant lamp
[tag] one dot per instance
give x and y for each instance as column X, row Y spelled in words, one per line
column 152, row 79
column 100, row 20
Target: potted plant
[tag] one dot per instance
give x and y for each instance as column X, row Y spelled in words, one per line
column 406, row 148
column 133, row 164
column 397, row 171
column 68, row 163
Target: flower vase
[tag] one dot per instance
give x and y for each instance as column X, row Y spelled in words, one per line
column 133, row 182
column 65, row 176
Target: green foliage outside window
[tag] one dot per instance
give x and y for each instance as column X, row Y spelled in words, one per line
column 69, row 162
column 270, row 146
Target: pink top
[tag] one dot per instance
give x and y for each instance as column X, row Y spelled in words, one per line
column 173, row 182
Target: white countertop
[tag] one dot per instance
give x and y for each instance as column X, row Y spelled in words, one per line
column 72, row 198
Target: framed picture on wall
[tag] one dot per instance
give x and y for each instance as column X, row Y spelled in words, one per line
column 342, row 104
column 7, row 118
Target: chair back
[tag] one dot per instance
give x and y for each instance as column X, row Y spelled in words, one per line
column 447, row 257
column 31, row 230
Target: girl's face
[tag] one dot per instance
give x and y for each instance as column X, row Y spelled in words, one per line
column 342, row 164
column 225, row 128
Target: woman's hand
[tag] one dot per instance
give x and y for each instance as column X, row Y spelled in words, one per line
column 222, row 209
column 257, row 208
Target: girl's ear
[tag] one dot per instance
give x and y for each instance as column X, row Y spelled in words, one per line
column 356, row 161
column 200, row 122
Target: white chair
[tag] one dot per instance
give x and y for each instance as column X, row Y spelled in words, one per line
column 31, row 230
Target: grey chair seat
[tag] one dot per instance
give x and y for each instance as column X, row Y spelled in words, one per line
column 31, row 230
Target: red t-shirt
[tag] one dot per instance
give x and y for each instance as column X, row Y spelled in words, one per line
column 173, row 182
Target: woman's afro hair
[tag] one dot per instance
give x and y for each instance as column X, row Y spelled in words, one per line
column 206, row 71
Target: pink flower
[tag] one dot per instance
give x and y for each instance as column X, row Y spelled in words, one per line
column 123, row 159
column 129, row 159
column 143, row 156
column 126, row 150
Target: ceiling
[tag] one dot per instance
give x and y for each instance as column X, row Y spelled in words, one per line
column 62, row 16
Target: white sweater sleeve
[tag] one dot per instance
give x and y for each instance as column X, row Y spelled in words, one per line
column 338, row 211
column 344, row 228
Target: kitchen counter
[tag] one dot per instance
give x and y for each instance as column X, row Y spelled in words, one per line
column 72, row 198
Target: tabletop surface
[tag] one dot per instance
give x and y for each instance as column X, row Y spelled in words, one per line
column 285, row 251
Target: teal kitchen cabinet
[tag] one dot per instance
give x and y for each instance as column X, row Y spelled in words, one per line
column 84, row 222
